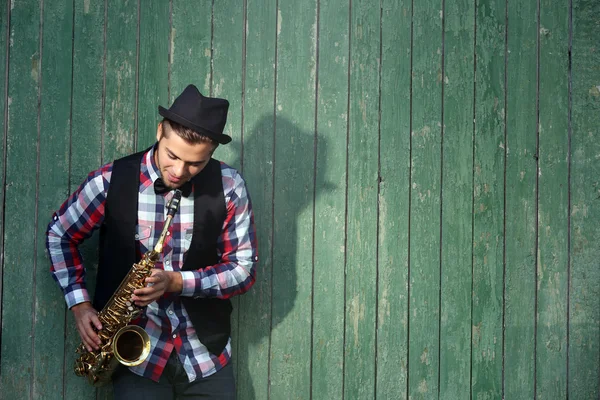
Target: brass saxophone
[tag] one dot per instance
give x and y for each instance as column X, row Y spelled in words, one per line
column 121, row 342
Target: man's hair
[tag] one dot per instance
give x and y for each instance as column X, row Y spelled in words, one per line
column 187, row 134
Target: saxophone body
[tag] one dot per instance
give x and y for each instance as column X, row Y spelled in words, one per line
column 122, row 343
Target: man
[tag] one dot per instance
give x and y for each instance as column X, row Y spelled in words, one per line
column 209, row 254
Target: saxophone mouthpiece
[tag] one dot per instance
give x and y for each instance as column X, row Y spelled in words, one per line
column 173, row 204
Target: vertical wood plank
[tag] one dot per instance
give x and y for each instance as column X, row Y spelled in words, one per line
column 255, row 317
column 191, row 41
column 20, row 201
column 228, row 32
column 55, row 115
column 330, row 201
column 4, row 57
column 521, row 170
column 488, row 202
column 553, row 197
column 228, row 27
column 362, row 201
column 362, row 192
column 584, row 291
column 153, row 83
column 86, row 154
column 122, row 21
column 20, row 194
column 293, row 200
column 121, row 64
column 457, row 181
column 392, row 296
column 425, row 221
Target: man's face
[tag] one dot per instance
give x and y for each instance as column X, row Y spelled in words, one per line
column 177, row 160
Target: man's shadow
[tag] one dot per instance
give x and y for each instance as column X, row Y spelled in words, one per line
column 283, row 184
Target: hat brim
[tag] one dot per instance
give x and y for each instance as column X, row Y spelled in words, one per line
column 219, row 137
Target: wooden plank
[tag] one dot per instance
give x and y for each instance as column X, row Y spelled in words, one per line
column 394, row 200
column 55, row 115
column 553, row 197
column 521, row 172
column 153, row 80
column 424, row 273
column 457, row 200
column 86, row 154
column 330, row 201
column 584, row 291
column 362, row 198
column 122, row 21
column 4, row 56
column 254, row 319
column 293, row 200
column 20, row 201
column 120, row 79
column 191, row 43
column 228, row 38
column 488, row 202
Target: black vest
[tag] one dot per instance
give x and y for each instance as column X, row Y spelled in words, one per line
column 210, row 316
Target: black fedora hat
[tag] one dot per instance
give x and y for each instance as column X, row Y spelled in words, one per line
column 205, row 115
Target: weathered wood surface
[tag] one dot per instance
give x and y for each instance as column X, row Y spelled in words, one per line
column 488, row 200
column 52, row 188
column 457, row 199
column 425, row 200
column 424, row 177
column 255, row 315
column 521, row 201
column 293, row 207
column 362, row 196
column 553, row 202
column 21, row 136
column 330, row 201
column 87, row 121
column 583, row 334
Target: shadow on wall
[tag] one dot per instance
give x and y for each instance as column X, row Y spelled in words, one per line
column 294, row 184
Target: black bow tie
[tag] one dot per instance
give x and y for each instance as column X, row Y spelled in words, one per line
column 160, row 187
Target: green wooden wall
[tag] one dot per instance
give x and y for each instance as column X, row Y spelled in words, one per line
column 425, row 176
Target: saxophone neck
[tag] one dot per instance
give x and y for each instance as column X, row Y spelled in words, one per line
column 172, row 208
column 152, row 255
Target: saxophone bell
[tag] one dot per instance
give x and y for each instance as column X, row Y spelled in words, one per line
column 131, row 345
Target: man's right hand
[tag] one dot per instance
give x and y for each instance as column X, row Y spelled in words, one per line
column 86, row 318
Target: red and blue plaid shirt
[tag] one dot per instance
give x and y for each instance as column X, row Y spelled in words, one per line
column 165, row 320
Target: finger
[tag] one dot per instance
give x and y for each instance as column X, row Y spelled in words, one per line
column 96, row 321
column 84, row 338
column 92, row 336
column 156, row 272
column 152, row 281
column 148, row 291
column 147, row 297
column 155, row 278
column 87, row 340
column 142, row 303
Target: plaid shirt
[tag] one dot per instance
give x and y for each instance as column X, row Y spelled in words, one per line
column 166, row 319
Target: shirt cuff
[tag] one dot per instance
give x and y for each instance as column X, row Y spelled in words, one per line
column 191, row 283
column 76, row 296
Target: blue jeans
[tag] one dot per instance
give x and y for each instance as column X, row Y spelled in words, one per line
column 173, row 384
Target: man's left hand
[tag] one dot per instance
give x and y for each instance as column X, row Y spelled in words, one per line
column 157, row 284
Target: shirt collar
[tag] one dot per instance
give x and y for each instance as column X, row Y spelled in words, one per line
column 148, row 170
